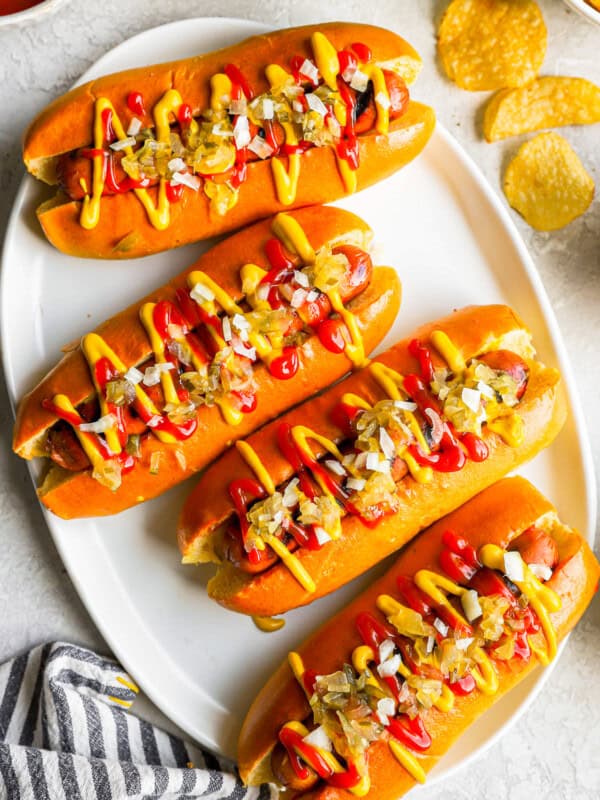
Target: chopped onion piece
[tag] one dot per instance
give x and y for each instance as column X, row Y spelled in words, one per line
column 121, row 144
column 356, row 484
column 135, row 126
column 301, row 278
column 227, row 334
column 334, row 126
column 181, row 460
column 470, row 604
column 388, row 448
column 375, row 465
column 464, row 644
column 437, row 426
column 430, row 644
column 321, row 535
column 316, row 104
column 386, row 650
column 268, row 110
column 318, row 738
column 219, row 130
column 297, row 106
column 185, row 179
column 360, row 81
column 298, row 298
column 486, row 390
column 405, row 405
column 245, row 352
column 541, row 571
column 382, row 100
column 312, row 296
column 155, row 462
column 360, row 460
column 513, row 566
column 386, row 707
column 471, row 398
column 440, row 626
column 101, row 425
column 238, row 106
column 260, row 147
column 155, row 420
column 389, row 667
column 240, row 322
column 152, row 374
column 335, row 466
column 349, row 72
column 201, row 294
column 308, row 69
column 176, row 165
column 134, row 376
column 241, row 132
column 290, row 495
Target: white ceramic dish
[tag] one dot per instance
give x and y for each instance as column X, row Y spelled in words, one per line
column 585, row 9
column 453, row 243
column 30, row 14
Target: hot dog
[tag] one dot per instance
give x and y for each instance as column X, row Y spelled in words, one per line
column 465, row 613
column 325, row 492
column 258, row 323
column 153, row 158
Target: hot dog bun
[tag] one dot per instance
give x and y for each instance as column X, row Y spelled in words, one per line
column 474, row 331
column 124, row 230
column 496, row 516
column 78, row 494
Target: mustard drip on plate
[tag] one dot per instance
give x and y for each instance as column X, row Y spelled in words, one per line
column 268, row 624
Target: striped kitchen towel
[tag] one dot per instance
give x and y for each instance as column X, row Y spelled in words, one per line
column 67, row 732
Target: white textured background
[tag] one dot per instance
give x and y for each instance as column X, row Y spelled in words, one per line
column 554, row 750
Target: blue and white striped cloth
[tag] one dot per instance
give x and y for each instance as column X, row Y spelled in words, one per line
column 66, row 733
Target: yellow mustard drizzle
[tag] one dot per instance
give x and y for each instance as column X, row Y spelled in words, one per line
column 510, row 429
column 94, row 347
column 92, row 355
column 356, row 401
column 220, row 92
column 62, row 401
column 448, row 351
column 158, row 346
column 292, row 236
column 289, row 560
column 326, row 58
column 268, row 624
column 542, row 599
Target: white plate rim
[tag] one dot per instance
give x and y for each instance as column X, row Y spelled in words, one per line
column 583, row 444
column 585, row 10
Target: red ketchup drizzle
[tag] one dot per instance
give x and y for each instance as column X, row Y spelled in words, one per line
column 344, row 416
column 135, row 103
column 347, row 147
column 296, row 63
column 109, row 134
column 246, row 401
column 113, row 185
column 298, row 749
column 286, row 365
column 106, row 372
column 332, row 335
column 184, row 114
column 411, row 732
column 347, row 61
column 242, row 493
column 237, row 77
column 362, row 51
column 282, row 265
column 174, row 192
column 458, row 559
column 423, row 356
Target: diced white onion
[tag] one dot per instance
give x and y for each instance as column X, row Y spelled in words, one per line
column 202, row 294
column 181, row 460
column 356, row 484
column 238, row 106
column 240, row 322
column 121, row 144
column 268, row 111
column 152, row 374
column 382, row 100
column 513, row 566
column 227, row 333
column 298, row 298
column 318, row 738
column 241, row 132
column 335, row 466
column 405, row 405
column 290, row 495
column 386, row 650
column 297, row 106
column 316, row 104
column 321, row 535
column 348, row 73
column 375, row 465
column 185, row 179
column 246, row 352
column 219, row 130
column 471, row 398
column 312, row 296
column 389, row 667
column 176, row 164
column 440, row 626
column 308, row 69
column 386, row 707
column 486, row 390
column 360, row 460
column 541, row 571
column 260, row 147
column 430, row 644
column 470, row 604
column 437, row 426
column 463, row 644
column 388, row 448
column 334, row 126
column 134, row 376
column 154, row 421
column 301, row 278
column 101, row 425
column 359, row 81
column 135, row 126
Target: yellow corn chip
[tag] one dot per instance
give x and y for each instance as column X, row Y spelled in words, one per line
column 490, row 44
column 545, row 103
column 547, row 183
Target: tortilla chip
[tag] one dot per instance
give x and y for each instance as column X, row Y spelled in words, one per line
column 547, row 183
column 545, row 103
column 491, row 44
